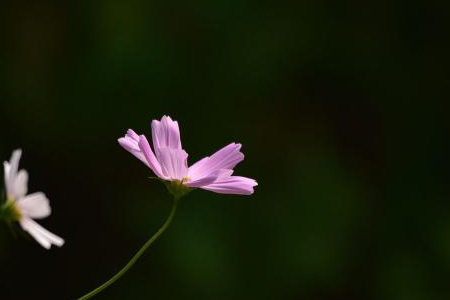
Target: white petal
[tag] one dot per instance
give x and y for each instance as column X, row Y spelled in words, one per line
column 40, row 234
column 51, row 237
column 7, row 170
column 20, row 184
column 11, row 170
column 30, row 226
column 14, row 162
column 35, row 205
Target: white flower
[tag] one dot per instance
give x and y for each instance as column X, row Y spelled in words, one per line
column 25, row 208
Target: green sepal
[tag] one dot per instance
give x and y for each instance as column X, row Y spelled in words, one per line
column 9, row 212
column 176, row 188
column 13, row 229
column 156, row 178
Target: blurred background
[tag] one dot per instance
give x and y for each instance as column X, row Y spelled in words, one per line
column 341, row 110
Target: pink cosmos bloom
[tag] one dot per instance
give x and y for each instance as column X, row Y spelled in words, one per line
column 169, row 161
column 25, row 208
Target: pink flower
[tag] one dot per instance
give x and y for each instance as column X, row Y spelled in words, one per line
column 169, row 161
column 22, row 208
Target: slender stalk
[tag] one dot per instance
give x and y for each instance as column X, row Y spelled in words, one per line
column 135, row 257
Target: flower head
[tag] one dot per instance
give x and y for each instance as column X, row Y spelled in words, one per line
column 22, row 208
column 168, row 161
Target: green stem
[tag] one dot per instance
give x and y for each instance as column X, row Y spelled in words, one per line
column 135, row 257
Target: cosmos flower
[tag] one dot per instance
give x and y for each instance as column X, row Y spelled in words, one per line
column 169, row 162
column 22, row 208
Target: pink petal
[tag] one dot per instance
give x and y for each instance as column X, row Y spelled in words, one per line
column 165, row 134
column 130, row 143
column 173, row 163
column 153, row 163
column 204, row 180
column 211, row 178
column 132, row 134
column 226, row 158
column 232, row 185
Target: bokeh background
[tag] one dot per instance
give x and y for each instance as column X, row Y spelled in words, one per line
column 340, row 106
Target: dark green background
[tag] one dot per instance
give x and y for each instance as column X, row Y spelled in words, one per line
column 339, row 105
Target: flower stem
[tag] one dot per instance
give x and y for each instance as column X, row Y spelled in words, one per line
column 135, row 257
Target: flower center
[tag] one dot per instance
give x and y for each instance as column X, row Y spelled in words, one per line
column 177, row 187
column 10, row 212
